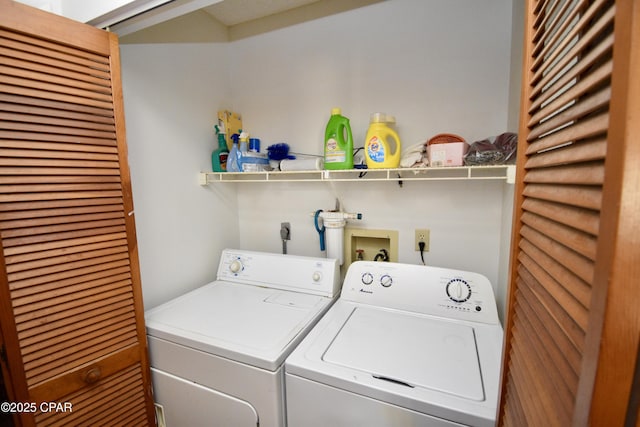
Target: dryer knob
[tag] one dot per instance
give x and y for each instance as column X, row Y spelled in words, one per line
column 317, row 276
column 235, row 266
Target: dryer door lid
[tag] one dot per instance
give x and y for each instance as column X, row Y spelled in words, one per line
column 413, row 350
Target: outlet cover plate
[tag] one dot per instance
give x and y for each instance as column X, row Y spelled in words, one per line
column 422, row 235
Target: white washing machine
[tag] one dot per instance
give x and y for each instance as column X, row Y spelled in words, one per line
column 404, row 345
column 217, row 353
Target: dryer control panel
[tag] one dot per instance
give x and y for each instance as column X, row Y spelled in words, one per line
column 318, row 276
column 429, row 290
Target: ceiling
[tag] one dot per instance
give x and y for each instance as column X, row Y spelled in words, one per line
column 200, row 21
column 233, row 12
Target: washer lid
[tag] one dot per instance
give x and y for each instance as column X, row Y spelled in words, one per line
column 411, row 350
column 245, row 323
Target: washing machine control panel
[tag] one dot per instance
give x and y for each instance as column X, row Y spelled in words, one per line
column 422, row 289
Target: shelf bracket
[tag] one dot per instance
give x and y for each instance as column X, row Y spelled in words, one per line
column 202, row 178
column 511, row 174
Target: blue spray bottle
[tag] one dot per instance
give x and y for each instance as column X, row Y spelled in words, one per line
column 232, row 160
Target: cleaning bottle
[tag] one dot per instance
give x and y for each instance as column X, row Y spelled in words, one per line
column 382, row 143
column 338, row 142
column 232, row 160
column 220, row 155
column 243, row 148
column 244, row 142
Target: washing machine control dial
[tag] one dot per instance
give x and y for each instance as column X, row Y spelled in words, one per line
column 236, row 266
column 386, row 280
column 317, row 276
column 367, row 278
column 458, row 290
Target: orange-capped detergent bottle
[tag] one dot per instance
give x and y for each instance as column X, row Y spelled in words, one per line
column 338, row 142
column 382, row 143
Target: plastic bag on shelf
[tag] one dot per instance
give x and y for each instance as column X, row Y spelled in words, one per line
column 495, row 150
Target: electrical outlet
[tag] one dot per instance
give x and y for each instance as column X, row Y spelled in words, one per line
column 285, row 231
column 422, row 235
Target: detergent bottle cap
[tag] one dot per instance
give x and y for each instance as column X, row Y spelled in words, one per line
column 380, row 118
column 336, row 111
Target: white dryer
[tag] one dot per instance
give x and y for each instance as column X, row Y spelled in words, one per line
column 217, row 353
column 404, row 345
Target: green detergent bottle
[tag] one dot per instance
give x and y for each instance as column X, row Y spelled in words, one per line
column 338, row 142
column 220, row 155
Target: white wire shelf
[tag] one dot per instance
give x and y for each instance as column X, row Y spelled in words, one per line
column 499, row 172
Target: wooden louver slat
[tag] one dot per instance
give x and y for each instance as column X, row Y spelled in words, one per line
column 91, row 63
column 588, row 128
column 55, row 108
column 579, row 265
column 84, row 155
column 573, row 239
column 563, row 378
column 549, row 19
column 581, row 219
column 562, row 148
column 56, row 129
column 107, row 214
column 557, row 342
column 571, row 195
column 28, row 253
column 595, row 102
column 584, row 174
column 547, row 68
column 51, row 110
column 56, row 256
column 33, row 119
column 9, row 86
column 66, row 325
column 68, row 149
column 70, row 76
column 54, row 84
column 573, row 153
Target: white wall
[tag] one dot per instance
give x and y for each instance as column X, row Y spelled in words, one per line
column 172, row 94
column 464, row 217
column 437, row 65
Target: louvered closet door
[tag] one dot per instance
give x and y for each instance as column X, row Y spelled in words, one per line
column 74, row 330
column 559, row 259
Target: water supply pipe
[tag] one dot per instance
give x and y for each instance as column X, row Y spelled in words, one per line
column 332, row 231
